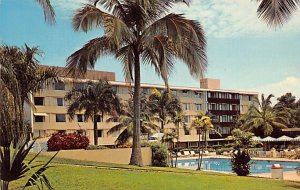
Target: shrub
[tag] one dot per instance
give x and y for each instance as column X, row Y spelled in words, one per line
column 61, row 141
column 240, row 162
column 159, row 155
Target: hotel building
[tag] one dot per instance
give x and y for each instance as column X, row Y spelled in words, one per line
column 49, row 114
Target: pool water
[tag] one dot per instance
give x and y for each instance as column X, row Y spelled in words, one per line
column 224, row 165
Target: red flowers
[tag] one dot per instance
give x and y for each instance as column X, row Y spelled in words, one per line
column 61, row 141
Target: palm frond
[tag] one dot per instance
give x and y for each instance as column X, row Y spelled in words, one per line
column 83, row 59
column 49, row 13
column 277, row 12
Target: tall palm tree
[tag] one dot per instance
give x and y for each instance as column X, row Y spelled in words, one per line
column 276, row 12
column 165, row 105
column 126, row 122
column 139, row 31
column 95, row 99
column 262, row 116
column 203, row 124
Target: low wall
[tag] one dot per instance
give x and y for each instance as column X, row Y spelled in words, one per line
column 116, row 156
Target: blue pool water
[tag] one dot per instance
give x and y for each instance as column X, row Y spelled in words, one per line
column 224, row 165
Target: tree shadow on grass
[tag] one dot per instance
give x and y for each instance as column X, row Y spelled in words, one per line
column 295, row 185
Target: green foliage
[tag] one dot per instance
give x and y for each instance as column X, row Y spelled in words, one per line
column 66, row 174
column 240, row 162
column 261, row 116
column 240, row 159
column 13, row 165
column 159, row 155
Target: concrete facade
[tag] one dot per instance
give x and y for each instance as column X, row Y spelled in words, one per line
column 50, row 112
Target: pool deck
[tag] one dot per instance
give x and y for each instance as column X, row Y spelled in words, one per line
column 228, row 157
column 289, row 175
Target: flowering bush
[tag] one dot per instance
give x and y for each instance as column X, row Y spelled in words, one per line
column 61, row 141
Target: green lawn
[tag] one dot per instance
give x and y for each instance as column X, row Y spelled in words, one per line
column 91, row 175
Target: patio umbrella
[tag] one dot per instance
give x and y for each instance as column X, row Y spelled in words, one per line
column 284, row 138
column 256, row 138
column 297, row 138
column 268, row 139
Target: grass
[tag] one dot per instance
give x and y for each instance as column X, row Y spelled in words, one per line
column 74, row 174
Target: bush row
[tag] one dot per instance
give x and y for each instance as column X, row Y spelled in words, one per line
column 61, row 141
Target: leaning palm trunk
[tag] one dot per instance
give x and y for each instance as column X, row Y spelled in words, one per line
column 136, row 155
column 201, row 155
column 95, row 130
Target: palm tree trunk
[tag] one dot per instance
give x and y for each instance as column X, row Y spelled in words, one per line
column 4, row 185
column 202, row 151
column 161, row 126
column 205, row 140
column 199, row 162
column 95, row 130
column 136, row 154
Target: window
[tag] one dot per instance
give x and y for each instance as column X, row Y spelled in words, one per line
column 114, row 88
column 198, row 131
column 186, row 118
column 208, row 94
column 100, row 133
column 80, row 118
column 39, row 101
column 186, row 106
column 78, row 86
column 60, row 118
column 185, row 93
column 61, row 131
column 60, row 101
column 198, row 94
column 146, row 91
column 39, row 119
column 187, row 132
column 213, row 106
column 98, row 118
column 59, row 86
column 174, row 92
column 198, row 107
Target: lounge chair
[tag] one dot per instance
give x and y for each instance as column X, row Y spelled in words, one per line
column 193, row 153
column 186, row 153
column 179, row 154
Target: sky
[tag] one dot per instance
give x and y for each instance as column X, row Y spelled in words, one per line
column 243, row 52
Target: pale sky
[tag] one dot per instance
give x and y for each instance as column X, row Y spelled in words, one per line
column 243, row 52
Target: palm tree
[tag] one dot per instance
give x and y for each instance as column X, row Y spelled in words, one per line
column 95, row 99
column 276, row 12
column 126, row 122
column 22, row 75
column 139, row 31
column 262, row 116
column 177, row 120
column 203, row 124
column 165, row 105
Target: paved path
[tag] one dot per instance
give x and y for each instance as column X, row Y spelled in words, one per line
column 290, row 175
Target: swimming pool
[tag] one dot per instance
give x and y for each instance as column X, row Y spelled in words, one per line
column 224, row 165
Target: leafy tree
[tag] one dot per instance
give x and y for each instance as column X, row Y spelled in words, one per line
column 240, row 156
column 95, row 99
column 139, row 31
column 262, row 116
column 288, row 104
column 165, row 105
column 276, row 12
column 203, row 124
column 126, row 122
